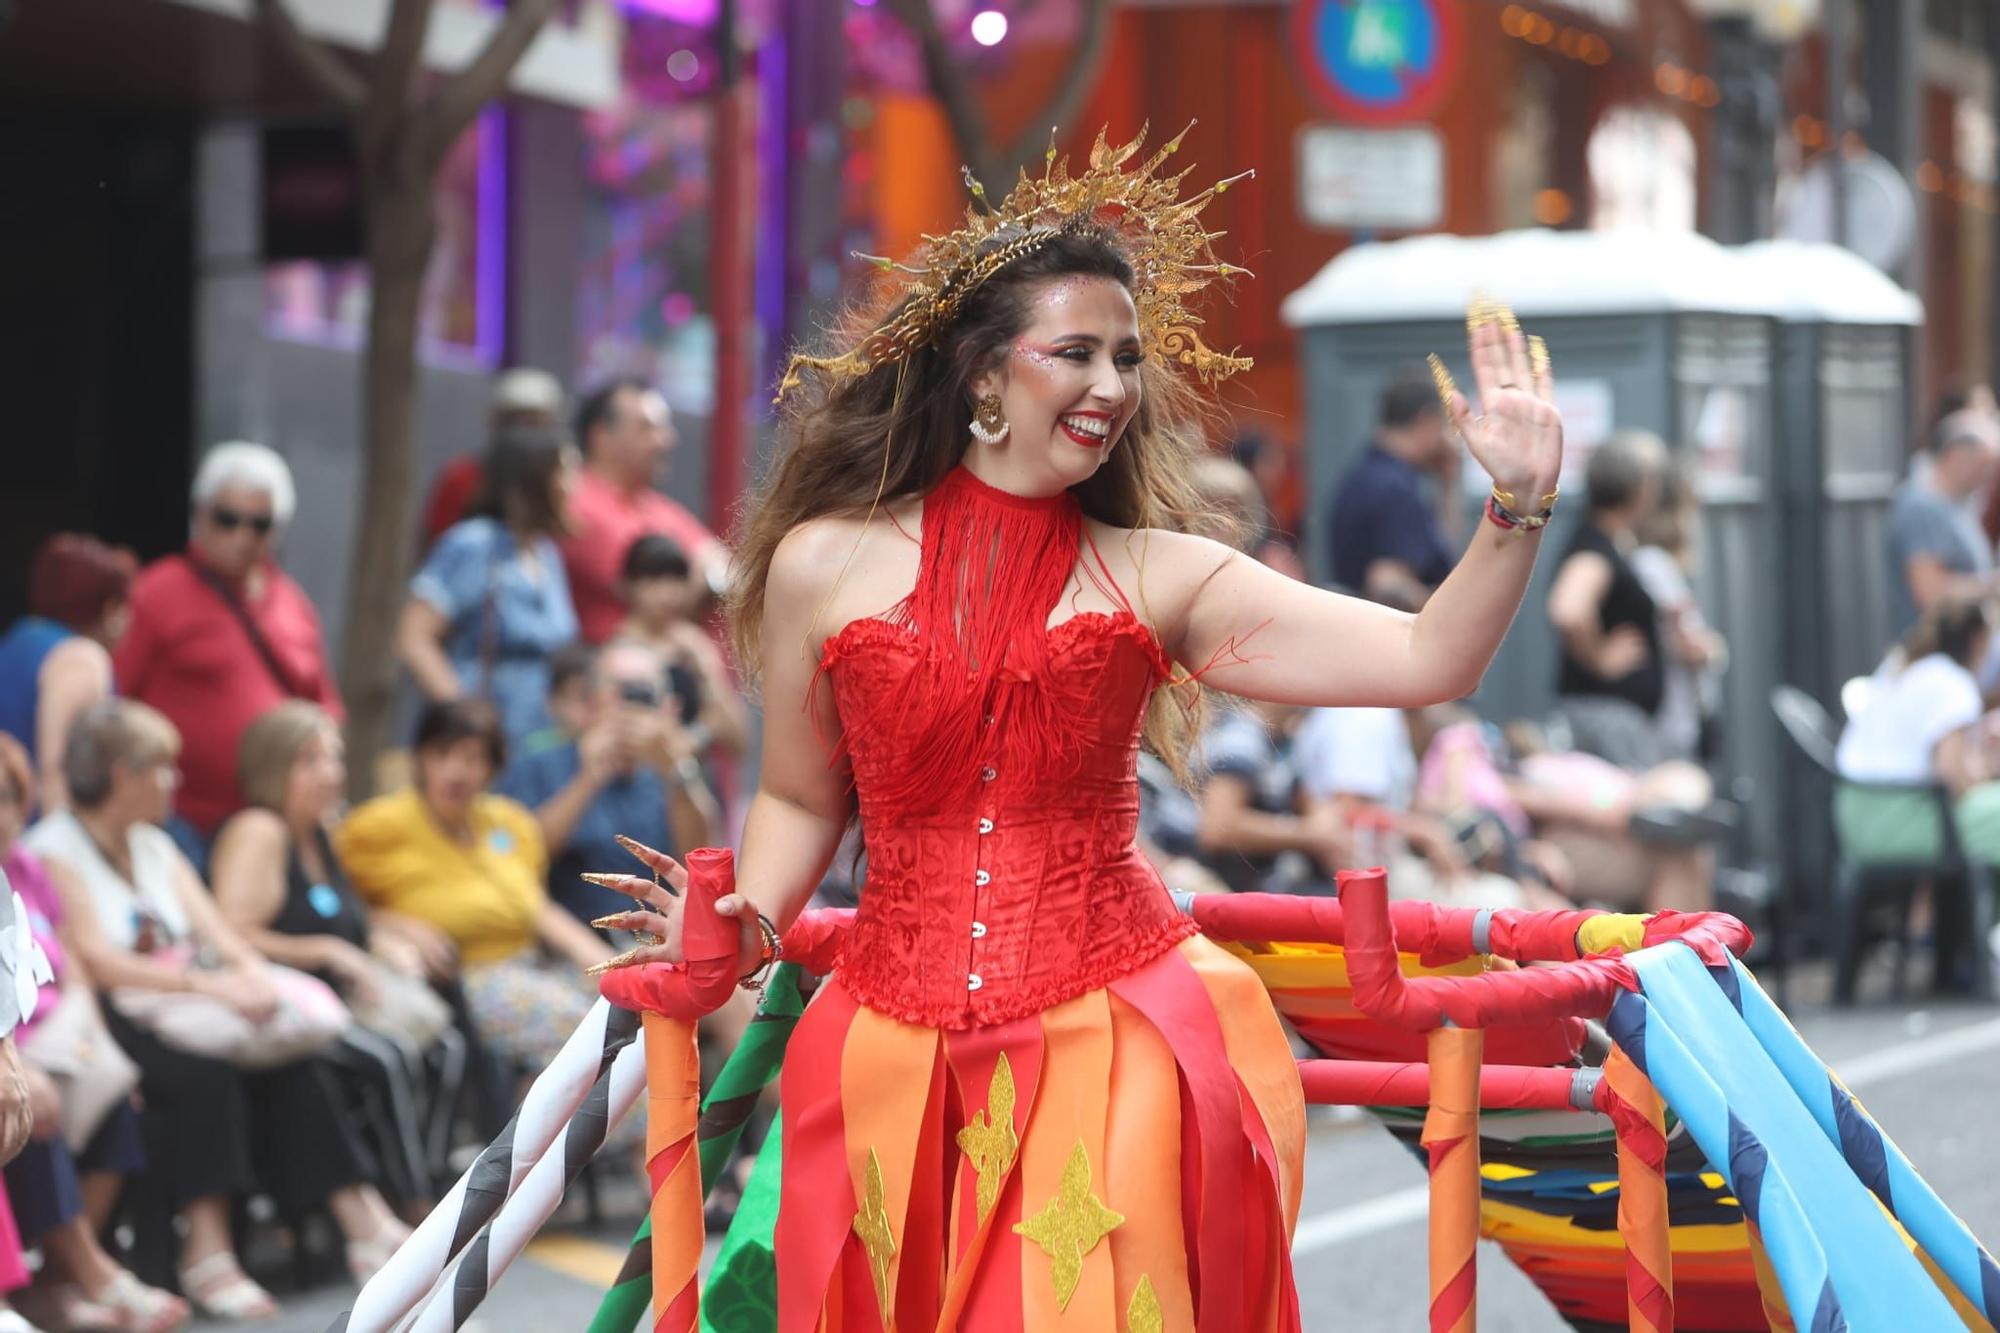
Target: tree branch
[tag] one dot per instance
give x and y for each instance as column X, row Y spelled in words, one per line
column 396, row 67
column 953, row 89
column 1078, row 78
column 451, row 108
column 322, row 66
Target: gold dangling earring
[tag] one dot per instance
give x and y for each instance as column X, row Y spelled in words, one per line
column 989, row 423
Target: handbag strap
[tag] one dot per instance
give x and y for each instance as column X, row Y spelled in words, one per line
column 265, row 652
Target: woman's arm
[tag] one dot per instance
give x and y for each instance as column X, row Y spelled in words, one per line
column 1269, row 637
column 75, row 675
column 420, row 645
column 1230, row 822
column 207, row 921
column 803, row 800
column 247, row 870
column 1958, row 763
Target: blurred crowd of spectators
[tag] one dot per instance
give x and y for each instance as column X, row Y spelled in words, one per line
column 1606, row 800
column 1919, row 754
column 262, row 995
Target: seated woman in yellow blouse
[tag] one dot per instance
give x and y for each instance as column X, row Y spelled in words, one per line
column 459, row 872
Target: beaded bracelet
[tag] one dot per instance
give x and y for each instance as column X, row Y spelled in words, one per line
column 1500, row 511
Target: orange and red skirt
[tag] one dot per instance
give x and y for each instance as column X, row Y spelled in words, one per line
column 1127, row 1160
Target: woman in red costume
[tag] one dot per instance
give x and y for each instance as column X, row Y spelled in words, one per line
column 1032, row 1096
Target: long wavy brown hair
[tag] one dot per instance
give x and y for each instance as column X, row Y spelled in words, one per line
column 834, row 434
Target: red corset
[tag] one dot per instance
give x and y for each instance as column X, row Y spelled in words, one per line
column 1031, row 892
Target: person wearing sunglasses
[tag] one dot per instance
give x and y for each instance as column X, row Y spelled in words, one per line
column 219, row 633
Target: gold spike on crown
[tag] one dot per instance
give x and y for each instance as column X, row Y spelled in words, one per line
column 1162, row 235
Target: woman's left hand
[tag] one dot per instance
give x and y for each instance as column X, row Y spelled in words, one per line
column 664, row 919
column 1516, row 433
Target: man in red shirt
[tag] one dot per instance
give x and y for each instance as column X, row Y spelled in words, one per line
column 626, row 433
column 219, row 633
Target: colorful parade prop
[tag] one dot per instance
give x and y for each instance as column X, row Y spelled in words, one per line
column 411, row 1276
column 1617, row 1213
column 725, row 1112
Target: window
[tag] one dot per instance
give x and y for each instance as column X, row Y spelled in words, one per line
column 327, row 301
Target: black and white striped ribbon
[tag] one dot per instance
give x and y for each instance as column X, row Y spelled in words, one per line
column 552, row 1100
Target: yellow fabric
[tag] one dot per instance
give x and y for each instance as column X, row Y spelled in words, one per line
column 1063, row 1287
column 1612, row 930
column 487, row 897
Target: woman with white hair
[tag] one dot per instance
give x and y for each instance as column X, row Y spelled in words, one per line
column 219, row 633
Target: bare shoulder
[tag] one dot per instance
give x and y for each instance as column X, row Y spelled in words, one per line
column 79, row 652
column 252, row 831
column 858, row 557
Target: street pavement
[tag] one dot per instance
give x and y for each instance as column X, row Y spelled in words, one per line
column 1929, row 1072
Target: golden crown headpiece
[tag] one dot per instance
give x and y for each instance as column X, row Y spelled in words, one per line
column 1171, row 252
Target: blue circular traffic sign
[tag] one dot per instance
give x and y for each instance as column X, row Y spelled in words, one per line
column 1377, row 61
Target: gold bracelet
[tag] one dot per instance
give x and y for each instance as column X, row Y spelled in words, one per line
column 773, row 949
column 1507, row 502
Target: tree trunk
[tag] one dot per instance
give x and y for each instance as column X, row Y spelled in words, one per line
column 401, row 229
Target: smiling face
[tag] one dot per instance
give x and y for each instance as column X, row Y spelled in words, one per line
column 1068, row 386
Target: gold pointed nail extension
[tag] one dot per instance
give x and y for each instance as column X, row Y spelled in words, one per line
column 612, row 922
column 626, row 959
column 1504, row 316
column 1538, row 357
column 603, row 881
column 1446, row 387
column 1478, row 311
column 632, row 845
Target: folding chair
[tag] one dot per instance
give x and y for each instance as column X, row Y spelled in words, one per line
column 1866, row 889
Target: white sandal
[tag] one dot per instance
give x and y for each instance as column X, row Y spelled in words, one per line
column 365, row 1258
column 219, row 1288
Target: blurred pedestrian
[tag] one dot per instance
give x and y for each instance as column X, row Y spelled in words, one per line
column 1258, row 831
column 64, row 1184
column 219, row 632
column 522, row 396
column 491, row 603
column 1693, row 655
column 279, row 883
column 171, row 971
column 56, row 660
column 1387, row 522
column 1269, row 464
column 627, row 434
column 1919, row 727
column 631, row 770
column 1935, row 544
column 464, row 872
column 1362, row 763
column 1611, row 676
column 659, row 587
